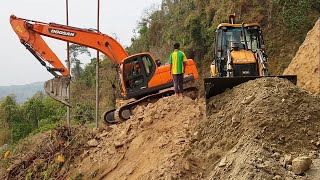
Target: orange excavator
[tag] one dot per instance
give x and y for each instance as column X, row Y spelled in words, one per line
column 140, row 76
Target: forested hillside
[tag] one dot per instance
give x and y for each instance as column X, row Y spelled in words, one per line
column 285, row 24
column 192, row 23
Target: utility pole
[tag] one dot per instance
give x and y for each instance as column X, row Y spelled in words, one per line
column 97, row 70
column 68, row 64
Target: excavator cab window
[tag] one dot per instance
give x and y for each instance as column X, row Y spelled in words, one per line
column 133, row 73
column 138, row 72
column 148, row 65
column 234, row 35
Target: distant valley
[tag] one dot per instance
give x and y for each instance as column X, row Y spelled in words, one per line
column 21, row 92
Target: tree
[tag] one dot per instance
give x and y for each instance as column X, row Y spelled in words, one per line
column 33, row 110
column 15, row 119
column 75, row 51
column 4, row 128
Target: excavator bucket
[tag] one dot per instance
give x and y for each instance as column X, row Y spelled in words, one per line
column 215, row 86
column 57, row 88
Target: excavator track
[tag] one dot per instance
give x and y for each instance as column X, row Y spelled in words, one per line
column 124, row 112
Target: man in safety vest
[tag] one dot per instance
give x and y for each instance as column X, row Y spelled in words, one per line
column 177, row 61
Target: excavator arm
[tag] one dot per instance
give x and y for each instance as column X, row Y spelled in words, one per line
column 30, row 33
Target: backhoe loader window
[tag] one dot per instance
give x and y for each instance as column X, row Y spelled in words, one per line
column 235, row 35
column 253, row 39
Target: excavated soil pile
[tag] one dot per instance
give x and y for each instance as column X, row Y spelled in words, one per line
column 306, row 63
column 254, row 130
column 150, row 145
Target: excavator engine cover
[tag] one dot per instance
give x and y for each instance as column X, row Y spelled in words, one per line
column 217, row 85
column 57, row 88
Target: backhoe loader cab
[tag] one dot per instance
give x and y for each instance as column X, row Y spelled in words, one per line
column 238, row 45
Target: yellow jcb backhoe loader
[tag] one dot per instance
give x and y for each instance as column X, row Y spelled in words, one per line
column 239, row 56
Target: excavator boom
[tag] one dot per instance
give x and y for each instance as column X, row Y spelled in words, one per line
column 29, row 31
column 30, row 34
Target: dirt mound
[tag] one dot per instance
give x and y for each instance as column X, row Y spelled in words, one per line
column 252, row 127
column 306, row 63
column 252, row 131
column 148, row 146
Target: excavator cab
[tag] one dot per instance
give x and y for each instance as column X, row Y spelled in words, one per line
column 138, row 71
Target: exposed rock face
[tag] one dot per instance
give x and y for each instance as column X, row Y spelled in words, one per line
column 306, row 63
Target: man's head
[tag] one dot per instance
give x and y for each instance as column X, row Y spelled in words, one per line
column 136, row 66
column 176, row 45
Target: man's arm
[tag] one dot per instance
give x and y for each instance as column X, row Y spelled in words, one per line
column 184, row 62
column 170, row 62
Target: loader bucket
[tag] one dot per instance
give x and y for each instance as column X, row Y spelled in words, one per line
column 57, row 88
column 215, row 86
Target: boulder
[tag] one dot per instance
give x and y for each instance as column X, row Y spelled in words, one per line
column 301, row 164
column 93, row 143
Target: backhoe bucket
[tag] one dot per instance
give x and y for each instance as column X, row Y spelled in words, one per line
column 57, row 88
column 215, row 86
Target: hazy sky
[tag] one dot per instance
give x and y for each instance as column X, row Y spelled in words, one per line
column 19, row 66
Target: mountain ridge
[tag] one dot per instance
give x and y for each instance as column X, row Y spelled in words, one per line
column 21, row 92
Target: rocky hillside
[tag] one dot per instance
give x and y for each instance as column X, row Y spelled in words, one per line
column 306, row 63
column 254, row 131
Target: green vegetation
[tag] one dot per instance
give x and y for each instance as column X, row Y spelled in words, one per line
column 38, row 113
column 192, row 23
column 75, row 51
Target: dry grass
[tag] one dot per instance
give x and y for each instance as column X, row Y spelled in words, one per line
column 4, row 136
